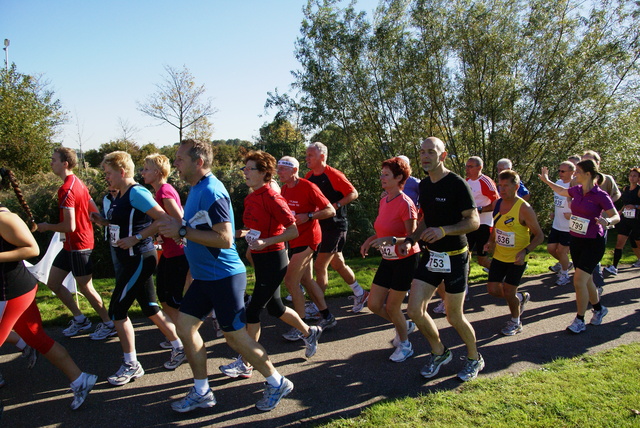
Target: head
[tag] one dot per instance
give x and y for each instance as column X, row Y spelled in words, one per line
column 574, row 159
column 566, row 170
column 395, row 169
column 193, row 160
column 317, row 154
column 118, row 162
column 587, row 172
column 594, row 156
column 634, row 175
column 432, row 153
column 503, row 164
column 156, row 168
column 288, row 168
column 509, row 181
column 473, row 167
column 259, row 168
column 67, row 155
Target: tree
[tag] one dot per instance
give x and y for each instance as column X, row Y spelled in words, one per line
column 179, row 102
column 280, row 138
column 29, row 120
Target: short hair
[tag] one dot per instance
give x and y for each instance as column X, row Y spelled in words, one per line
column 635, row 169
column 509, row 174
column 264, row 162
column 591, row 167
column 506, row 162
column 120, row 160
column 161, row 162
column 289, row 159
column 398, row 166
column 574, row 159
column 67, row 155
column 406, row 159
column 593, row 154
column 320, row 148
column 569, row 165
column 199, row 150
column 477, row 160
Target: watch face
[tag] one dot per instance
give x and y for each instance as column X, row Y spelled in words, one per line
column 182, row 232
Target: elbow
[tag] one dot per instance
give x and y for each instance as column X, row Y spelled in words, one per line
column 33, row 251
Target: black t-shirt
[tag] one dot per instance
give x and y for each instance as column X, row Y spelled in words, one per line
column 15, row 279
column 442, row 204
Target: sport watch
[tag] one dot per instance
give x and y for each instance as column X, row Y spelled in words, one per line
column 182, row 232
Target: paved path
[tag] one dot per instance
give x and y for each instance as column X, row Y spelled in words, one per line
column 350, row 371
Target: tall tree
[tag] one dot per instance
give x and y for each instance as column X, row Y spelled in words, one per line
column 29, row 120
column 281, row 138
column 179, row 102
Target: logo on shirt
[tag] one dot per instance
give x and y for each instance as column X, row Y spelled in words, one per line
column 509, row 220
column 441, row 199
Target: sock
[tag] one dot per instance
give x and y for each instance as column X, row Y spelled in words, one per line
column 176, row 344
column 597, row 307
column 201, row 386
column 516, row 320
column 617, row 255
column 357, row 290
column 130, row 357
column 80, row 319
column 405, row 344
column 519, row 296
column 275, row 379
column 21, row 344
column 564, row 272
column 78, row 382
column 325, row 313
column 580, row 317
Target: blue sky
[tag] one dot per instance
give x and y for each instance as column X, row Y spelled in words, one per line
column 101, row 57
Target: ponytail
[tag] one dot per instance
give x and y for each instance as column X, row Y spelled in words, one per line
column 7, row 175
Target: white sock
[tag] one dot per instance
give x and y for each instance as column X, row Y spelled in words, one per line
column 80, row 318
column 21, row 344
column 78, row 382
column 275, row 379
column 519, row 296
column 130, row 357
column 201, row 386
column 516, row 320
column 357, row 290
column 176, row 344
column 405, row 344
column 564, row 272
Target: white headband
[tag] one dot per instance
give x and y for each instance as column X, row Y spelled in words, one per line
column 286, row 163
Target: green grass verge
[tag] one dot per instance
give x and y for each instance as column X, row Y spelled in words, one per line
column 599, row 390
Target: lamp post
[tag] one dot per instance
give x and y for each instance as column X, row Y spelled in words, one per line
column 7, row 42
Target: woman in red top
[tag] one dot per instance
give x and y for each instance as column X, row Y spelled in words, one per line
column 397, row 218
column 268, row 223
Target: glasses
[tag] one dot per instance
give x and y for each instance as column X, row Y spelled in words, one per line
column 246, row 168
column 562, row 170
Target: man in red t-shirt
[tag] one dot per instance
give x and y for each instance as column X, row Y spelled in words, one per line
column 339, row 191
column 308, row 205
column 76, row 231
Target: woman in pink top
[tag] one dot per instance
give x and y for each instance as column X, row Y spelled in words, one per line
column 397, row 218
column 586, row 227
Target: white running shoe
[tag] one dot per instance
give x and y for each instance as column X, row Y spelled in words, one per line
column 80, row 394
column 555, row 268
column 577, row 326
column 563, row 279
column 598, row 315
column 359, row 302
column 636, row 264
column 512, row 328
column 401, row 353
column 311, row 342
column 77, row 327
column 272, row 395
column 193, row 400
column 31, row 355
column 471, row 369
column 237, row 369
column 440, row 309
column 177, row 357
column 103, row 331
column 126, row 373
column 525, row 299
column 411, row 327
column 293, row 335
column 612, row 270
column 166, row 345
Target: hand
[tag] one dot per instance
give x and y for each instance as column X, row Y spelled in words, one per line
column 403, row 247
column 257, row 245
column 520, row 258
column 98, row 219
column 302, row 219
column 364, row 249
column 567, row 216
column 432, row 234
column 169, row 227
column 544, row 174
column 42, row 227
column 126, row 243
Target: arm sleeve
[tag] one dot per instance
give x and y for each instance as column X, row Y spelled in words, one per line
column 339, row 181
column 142, row 199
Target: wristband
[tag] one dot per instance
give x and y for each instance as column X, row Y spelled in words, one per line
column 526, row 250
column 409, row 240
column 443, row 232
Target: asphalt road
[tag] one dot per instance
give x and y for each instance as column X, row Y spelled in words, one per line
column 350, row 371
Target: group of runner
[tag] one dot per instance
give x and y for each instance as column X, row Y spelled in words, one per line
column 423, row 250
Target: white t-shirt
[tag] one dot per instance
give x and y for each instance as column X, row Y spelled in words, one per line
column 561, row 205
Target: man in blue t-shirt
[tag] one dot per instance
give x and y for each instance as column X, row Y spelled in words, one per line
column 219, row 280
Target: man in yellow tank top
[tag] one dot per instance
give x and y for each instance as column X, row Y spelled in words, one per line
column 514, row 221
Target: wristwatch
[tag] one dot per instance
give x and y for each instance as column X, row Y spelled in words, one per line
column 139, row 237
column 338, row 204
column 182, row 232
column 310, row 215
column 394, row 240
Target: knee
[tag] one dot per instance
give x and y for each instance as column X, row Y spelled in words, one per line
column 495, row 290
column 374, row 306
column 415, row 311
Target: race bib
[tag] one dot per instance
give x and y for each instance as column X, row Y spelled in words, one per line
column 559, row 201
column 505, row 239
column 252, row 235
column 439, row 262
column 388, row 252
column 629, row 213
column 579, row 224
column 63, row 237
column 114, row 234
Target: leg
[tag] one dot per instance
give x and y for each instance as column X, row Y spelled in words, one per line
column 252, row 351
column 313, row 288
column 321, row 267
column 298, row 264
column 394, row 311
column 56, row 277
column 187, row 327
column 563, row 256
column 126, row 335
column 339, row 265
column 510, row 295
column 581, row 282
column 85, row 284
column 165, row 325
column 419, row 297
column 377, row 301
column 454, row 304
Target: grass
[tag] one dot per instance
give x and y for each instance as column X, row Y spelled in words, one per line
column 598, row 390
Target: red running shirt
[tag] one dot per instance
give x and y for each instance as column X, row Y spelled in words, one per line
column 266, row 211
column 73, row 195
column 391, row 218
column 305, row 197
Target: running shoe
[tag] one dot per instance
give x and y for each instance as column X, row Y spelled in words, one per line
column 600, row 291
column 401, row 353
column 237, row 369
column 555, row 268
column 434, row 362
column 126, row 373
column 485, row 270
column 611, row 270
column 31, row 355
column 311, row 311
column 440, row 309
column 216, row 327
column 577, row 326
column 525, row 299
column 193, row 400
column 311, row 341
column 512, row 328
column 636, row 264
column 77, row 327
column 272, row 395
column 563, row 279
column 359, row 302
column 80, row 394
column 411, row 327
column 471, row 369
column 166, row 345
column 598, row 315
column 328, row 323
column 177, row 357
column 292, row 335
column 103, row 331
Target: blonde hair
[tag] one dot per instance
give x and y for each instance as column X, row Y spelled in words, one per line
column 120, row 160
column 161, row 162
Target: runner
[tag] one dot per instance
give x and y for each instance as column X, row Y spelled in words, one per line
column 449, row 214
column 504, row 164
column 559, row 237
column 219, row 280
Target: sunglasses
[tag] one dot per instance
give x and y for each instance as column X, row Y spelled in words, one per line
column 246, row 168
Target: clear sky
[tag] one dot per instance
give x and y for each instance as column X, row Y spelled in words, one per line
column 101, row 57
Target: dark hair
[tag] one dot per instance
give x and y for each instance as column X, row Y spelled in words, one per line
column 264, row 162
column 199, row 150
column 509, row 174
column 7, row 176
column 398, row 166
column 589, row 166
column 67, row 155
